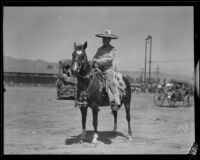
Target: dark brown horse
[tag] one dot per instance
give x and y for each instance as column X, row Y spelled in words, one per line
column 89, row 85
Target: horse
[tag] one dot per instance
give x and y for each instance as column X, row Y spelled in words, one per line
column 89, row 84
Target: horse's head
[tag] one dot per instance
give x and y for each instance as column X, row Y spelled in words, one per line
column 79, row 57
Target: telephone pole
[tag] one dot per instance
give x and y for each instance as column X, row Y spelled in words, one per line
column 150, row 38
column 147, row 39
column 157, row 71
column 145, row 61
column 142, row 76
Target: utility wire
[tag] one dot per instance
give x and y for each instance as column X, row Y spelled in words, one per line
column 172, row 61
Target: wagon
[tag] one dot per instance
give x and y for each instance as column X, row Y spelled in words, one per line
column 66, row 83
column 175, row 93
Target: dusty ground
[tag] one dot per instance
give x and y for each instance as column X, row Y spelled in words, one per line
column 35, row 122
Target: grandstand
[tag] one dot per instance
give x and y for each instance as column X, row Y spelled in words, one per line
column 35, row 73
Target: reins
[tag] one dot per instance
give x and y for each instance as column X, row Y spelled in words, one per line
column 87, row 76
column 87, row 90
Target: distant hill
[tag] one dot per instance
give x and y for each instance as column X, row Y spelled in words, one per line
column 41, row 66
column 161, row 76
column 29, row 66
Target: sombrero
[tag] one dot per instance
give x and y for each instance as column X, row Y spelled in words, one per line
column 107, row 34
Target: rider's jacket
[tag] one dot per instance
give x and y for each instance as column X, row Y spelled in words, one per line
column 105, row 56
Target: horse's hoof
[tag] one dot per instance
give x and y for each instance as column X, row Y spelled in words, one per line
column 94, row 143
column 82, row 138
column 95, row 137
column 130, row 137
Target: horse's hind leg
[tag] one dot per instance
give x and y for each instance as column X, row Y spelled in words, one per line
column 84, row 116
column 128, row 118
column 95, row 123
column 115, row 120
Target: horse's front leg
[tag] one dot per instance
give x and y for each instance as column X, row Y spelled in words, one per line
column 84, row 116
column 95, row 123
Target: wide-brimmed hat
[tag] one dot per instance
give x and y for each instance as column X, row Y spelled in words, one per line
column 107, row 34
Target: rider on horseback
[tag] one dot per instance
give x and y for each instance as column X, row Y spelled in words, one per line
column 104, row 60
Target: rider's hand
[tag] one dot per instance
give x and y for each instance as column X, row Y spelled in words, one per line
column 96, row 65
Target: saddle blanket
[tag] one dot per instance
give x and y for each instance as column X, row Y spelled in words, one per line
column 119, row 81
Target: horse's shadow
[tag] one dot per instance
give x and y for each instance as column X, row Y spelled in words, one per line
column 104, row 136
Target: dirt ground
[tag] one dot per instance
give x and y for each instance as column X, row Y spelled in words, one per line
column 36, row 122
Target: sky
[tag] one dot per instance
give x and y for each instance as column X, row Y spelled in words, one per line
column 49, row 33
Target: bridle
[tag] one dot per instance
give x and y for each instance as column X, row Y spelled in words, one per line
column 79, row 66
column 84, row 92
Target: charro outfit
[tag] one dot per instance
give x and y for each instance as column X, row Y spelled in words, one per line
column 104, row 57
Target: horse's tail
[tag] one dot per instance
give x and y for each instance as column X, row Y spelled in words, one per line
column 128, row 95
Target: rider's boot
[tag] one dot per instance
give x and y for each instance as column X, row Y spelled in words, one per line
column 117, row 99
column 115, row 103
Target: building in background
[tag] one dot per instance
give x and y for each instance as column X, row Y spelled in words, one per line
column 30, row 77
column 28, row 72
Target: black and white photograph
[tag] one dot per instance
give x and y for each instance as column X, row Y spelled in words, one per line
column 90, row 80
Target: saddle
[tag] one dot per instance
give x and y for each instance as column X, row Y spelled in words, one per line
column 120, row 82
column 98, row 82
column 118, row 78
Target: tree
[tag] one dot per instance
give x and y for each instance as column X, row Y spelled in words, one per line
column 49, row 67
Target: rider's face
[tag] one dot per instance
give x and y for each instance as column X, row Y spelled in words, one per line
column 106, row 41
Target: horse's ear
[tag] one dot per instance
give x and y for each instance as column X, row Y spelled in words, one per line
column 74, row 45
column 85, row 45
